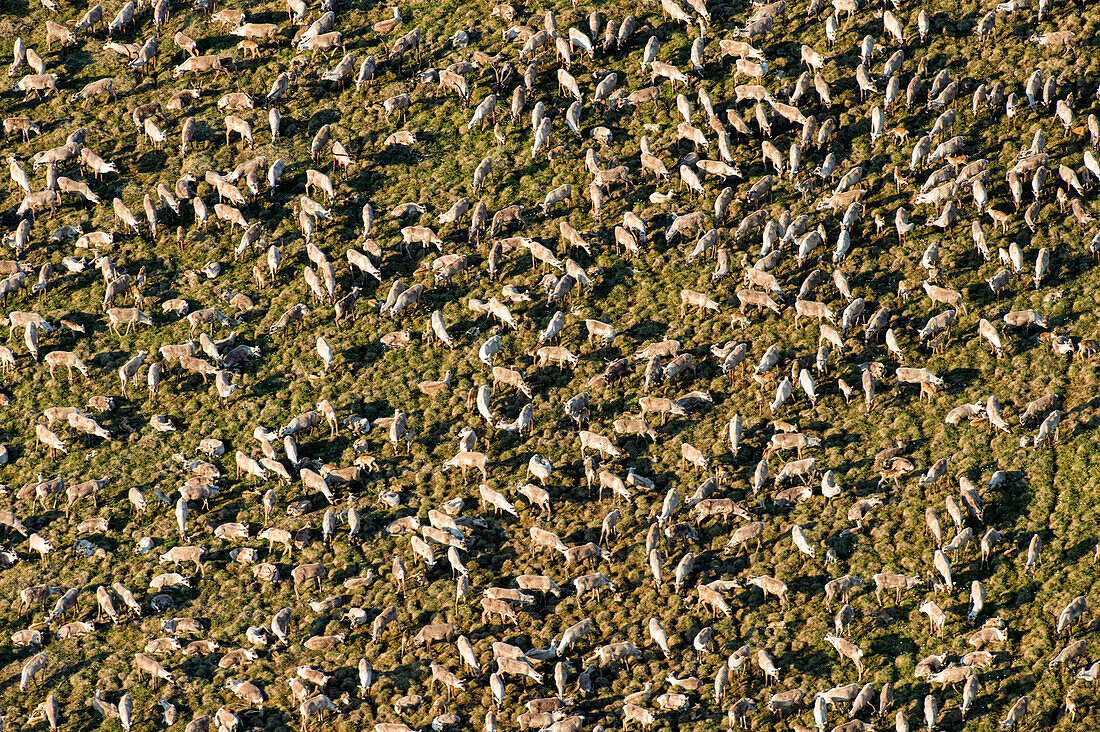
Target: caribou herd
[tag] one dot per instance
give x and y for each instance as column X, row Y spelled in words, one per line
column 559, row 367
